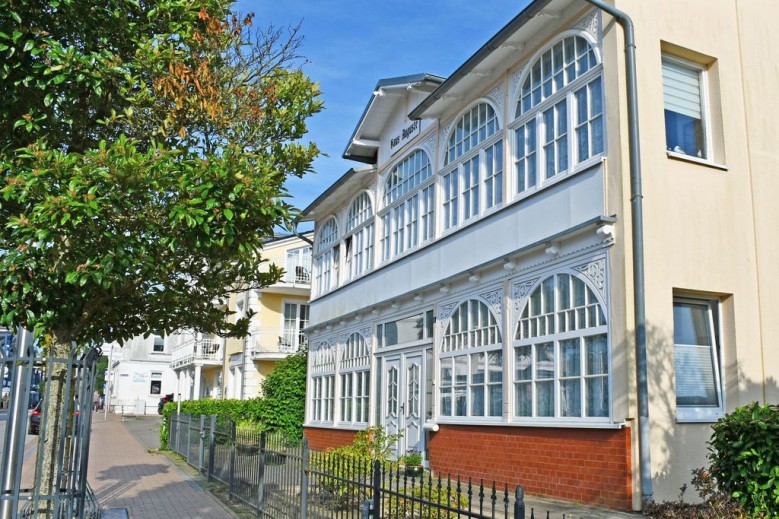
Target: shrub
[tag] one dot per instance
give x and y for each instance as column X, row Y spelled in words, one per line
column 715, row 504
column 744, row 455
column 411, row 506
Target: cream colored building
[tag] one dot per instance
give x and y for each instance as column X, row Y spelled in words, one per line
column 280, row 315
column 473, row 282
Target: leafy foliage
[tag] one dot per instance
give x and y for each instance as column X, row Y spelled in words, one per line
column 745, row 458
column 283, row 404
column 143, row 161
column 715, row 504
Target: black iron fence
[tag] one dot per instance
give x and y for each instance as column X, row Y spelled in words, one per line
column 281, row 478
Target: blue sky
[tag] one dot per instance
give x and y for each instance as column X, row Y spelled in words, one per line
column 351, row 45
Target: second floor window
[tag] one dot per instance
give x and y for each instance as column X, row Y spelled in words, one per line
column 327, row 257
column 292, row 338
column 358, row 243
column 559, row 117
column 473, row 170
column 298, row 266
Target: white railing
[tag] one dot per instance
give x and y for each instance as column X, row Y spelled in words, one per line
column 206, row 349
column 266, row 341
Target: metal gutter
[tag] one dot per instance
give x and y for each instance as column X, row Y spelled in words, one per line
column 636, row 201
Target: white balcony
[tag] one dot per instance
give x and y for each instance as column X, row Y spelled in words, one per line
column 205, row 351
column 275, row 343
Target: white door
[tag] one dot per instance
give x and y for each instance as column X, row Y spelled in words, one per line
column 402, row 406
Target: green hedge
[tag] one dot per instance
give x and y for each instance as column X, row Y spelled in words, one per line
column 281, row 408
column 745, row 457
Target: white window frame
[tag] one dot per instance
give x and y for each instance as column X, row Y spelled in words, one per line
column 468, row 184
column 554, row 323
column 322, row 371
column 292, row 329
column 359, row 236
column 155, row 338
column 354, row 380
column 464, row 345
column 703, row 86
column 703, row 413
column 327, row 256
column 406, row 215
column 156, row 376
column 530, row 172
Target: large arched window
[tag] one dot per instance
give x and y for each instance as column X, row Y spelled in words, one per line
column 359, row 236
column 472, row 363
column 559, row 113
column 354, row 370
column 408, row 215
column 561, row 356
column 327, row 256
column 322, row 361
column 473, row 166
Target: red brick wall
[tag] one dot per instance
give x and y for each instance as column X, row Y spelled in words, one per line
column 584, row 465
column 321, row 439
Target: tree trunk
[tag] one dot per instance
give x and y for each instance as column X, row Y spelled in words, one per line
column 51, row 433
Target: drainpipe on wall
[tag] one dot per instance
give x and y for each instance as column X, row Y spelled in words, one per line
column 636, row 203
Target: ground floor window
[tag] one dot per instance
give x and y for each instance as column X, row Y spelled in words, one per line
column 322, row 398
column 355, row 396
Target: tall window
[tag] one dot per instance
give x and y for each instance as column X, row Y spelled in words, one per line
column 298, row 266
column 561, row 359
column 292, row 338
column 322, row 361
column 684, row 99
column 559, row 114
column 159, row 344
column 359, row 236
column 327, row 257
column 472, row 363
column 697, row 360
column 473, row 176
column 354, row 369
column 408, row 196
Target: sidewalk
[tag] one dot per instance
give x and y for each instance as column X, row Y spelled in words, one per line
column 129, row 482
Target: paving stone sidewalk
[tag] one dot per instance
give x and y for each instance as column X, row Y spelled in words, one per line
column 131, row 482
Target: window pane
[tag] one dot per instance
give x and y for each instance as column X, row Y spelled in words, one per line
column 524, row 403
column 570, row 358
column 598, row 396
column 683, row 108
column 597, row 355
column 570, row 397
column 696, row 361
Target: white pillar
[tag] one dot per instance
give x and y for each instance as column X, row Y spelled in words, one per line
column 196, row 395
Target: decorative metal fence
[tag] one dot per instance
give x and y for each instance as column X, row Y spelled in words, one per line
column 281, row 479
column 26, row 368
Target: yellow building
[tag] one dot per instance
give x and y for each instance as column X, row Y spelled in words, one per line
column 215, row 367
column 545, row 276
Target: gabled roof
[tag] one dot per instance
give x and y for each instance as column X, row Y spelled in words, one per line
column 518, row 35
column 364, row 142
column 338, row 194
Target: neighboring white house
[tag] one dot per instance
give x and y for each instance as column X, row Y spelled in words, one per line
column 139, row 373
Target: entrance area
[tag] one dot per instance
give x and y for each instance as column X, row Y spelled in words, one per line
column 402, row 410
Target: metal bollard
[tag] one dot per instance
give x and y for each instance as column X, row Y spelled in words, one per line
column 519, row 503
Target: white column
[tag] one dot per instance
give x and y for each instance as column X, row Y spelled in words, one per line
column 196, row 395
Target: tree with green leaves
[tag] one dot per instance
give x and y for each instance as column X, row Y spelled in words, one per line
column 144, row 147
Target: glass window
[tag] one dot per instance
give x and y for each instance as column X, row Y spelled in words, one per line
column 354, row 367
column 322, row 369
column 155, row 387
column 159, row 344
column 561, row 363
column 560, row 120
column 697, row 360
column 684, row 106
column 327, row 256
column 474, row 182
column 292, row 338
column 472, row 363
column 408, row 199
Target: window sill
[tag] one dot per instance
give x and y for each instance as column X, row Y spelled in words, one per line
column 695, row 160
column 549, row 424
column 698, row 415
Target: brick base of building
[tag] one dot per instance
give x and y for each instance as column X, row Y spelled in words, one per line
column 589, row 466
column 320, row 439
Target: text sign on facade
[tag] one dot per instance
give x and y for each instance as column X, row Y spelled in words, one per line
column 406, row 133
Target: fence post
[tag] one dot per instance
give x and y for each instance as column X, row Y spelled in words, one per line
column 261, row 474
column 212, row 445
column 202, row 444
column 376, row 489
column 519, row 503
column 304, row 480
column 189, row 437
column 231, row 484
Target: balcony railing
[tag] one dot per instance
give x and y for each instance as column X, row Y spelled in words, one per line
column 207, row 350
column 273, row 342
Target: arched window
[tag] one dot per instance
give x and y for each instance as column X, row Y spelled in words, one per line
column 559, row 113
column 354, row 369
column 561, row 357
column 327, row 257
column 358, row 242
column 472, row 363
column 473, row 166
column 408, row 215
column 322, row 359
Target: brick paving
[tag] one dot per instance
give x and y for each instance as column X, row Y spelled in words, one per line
column 125, row 476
